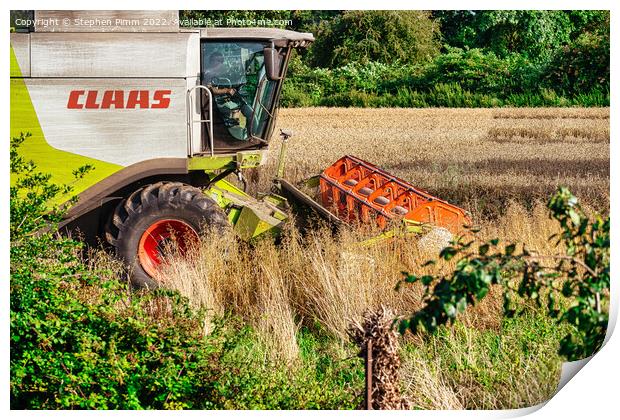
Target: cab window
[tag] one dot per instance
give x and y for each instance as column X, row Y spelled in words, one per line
column 234, row 72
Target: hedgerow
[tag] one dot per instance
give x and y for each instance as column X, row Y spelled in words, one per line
column 457, row 78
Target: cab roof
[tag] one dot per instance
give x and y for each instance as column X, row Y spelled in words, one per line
column 280, row 37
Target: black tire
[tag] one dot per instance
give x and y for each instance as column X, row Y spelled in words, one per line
column 152, row 205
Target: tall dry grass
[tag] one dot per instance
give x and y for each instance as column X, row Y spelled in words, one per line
column 303, row 280
column 326, row 279
column 502, row 165
column 463, row 368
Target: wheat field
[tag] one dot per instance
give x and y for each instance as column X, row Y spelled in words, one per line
column 500, row 164
column 477, row 158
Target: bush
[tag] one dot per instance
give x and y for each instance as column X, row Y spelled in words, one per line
column 581, row 66
column 472, row 70
column 296, row 96
column 386, row 36
column 78, row 338
column 580, row 275
column 81, row 340
column 244, row 379
column 459, row 78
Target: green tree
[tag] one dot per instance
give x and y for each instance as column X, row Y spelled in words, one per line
column 458, row 27
column 385, row 36
column 310, row 20
column 580, row 274
column 535, row 34
column 592, row 21
column 583, row 64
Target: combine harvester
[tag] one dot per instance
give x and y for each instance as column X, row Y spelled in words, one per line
column 164, row 115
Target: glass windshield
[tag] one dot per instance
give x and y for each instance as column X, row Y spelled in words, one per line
column 234, row 72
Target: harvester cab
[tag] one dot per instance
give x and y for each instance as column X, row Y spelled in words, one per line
column 241, row 76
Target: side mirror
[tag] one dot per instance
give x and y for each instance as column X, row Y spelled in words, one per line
column 273, row 63
column 286, row 133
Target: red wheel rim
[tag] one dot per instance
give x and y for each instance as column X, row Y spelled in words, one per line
column 154, row 238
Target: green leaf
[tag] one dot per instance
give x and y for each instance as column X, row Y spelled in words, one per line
column 426, row 280
column 411, row 278
column 449, row 309
column 403, row 325
column 482, row 292
column 447, row 253
column 461, row 305
column 574, row 217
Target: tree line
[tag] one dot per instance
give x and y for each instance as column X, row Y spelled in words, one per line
column 444, row 58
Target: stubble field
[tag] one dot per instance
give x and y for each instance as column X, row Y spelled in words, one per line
column 500, row 164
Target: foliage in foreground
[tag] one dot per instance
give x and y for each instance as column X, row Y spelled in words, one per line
column 460, row 367
column 581, row 276
column 81, row 339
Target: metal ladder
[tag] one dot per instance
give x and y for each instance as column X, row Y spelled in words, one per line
column 191, row 121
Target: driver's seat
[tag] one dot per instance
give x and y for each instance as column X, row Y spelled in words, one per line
column 225, row 134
